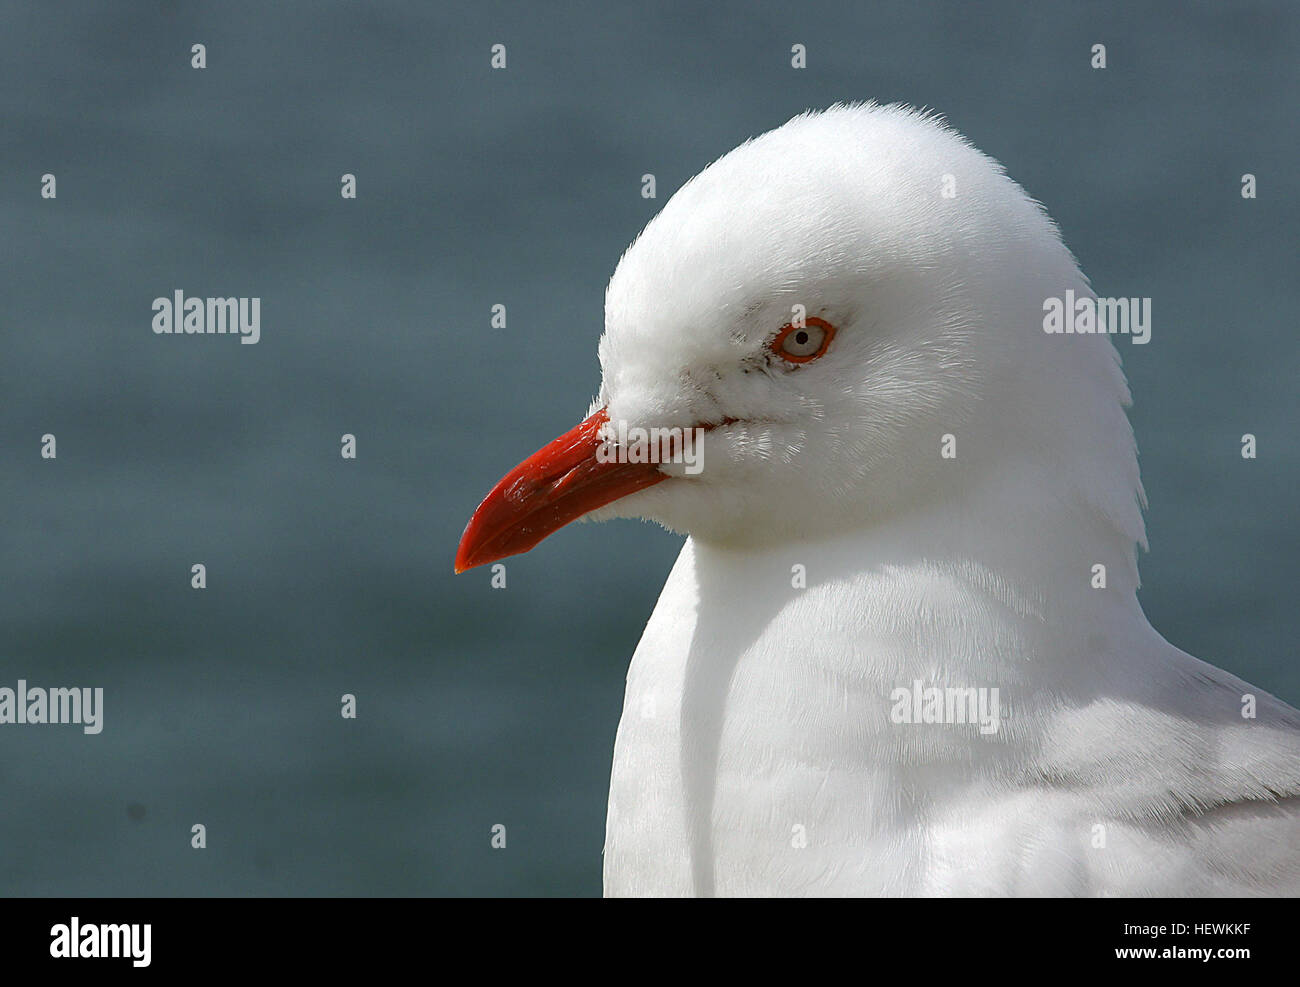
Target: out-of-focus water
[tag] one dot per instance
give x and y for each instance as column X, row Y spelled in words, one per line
column 478, row 707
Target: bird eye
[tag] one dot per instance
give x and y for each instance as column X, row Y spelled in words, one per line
column 802, row 343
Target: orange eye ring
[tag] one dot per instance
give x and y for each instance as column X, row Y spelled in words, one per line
column 805, row 349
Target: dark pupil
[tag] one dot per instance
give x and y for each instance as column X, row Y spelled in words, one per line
column 801, row 337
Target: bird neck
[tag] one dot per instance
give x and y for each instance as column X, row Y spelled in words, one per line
column 1006, row 581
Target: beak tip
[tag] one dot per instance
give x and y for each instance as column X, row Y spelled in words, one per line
column 462, row 564
column 470, row 554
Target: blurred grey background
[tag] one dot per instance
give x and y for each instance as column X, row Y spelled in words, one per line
column 522, row 186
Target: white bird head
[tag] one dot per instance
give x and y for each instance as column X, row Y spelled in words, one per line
column 833, row 302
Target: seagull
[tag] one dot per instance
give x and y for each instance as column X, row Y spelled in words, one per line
column 901, row 651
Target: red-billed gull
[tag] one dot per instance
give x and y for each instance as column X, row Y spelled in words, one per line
column 901, row 652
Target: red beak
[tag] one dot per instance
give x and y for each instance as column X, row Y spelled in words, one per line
column 555, row 485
